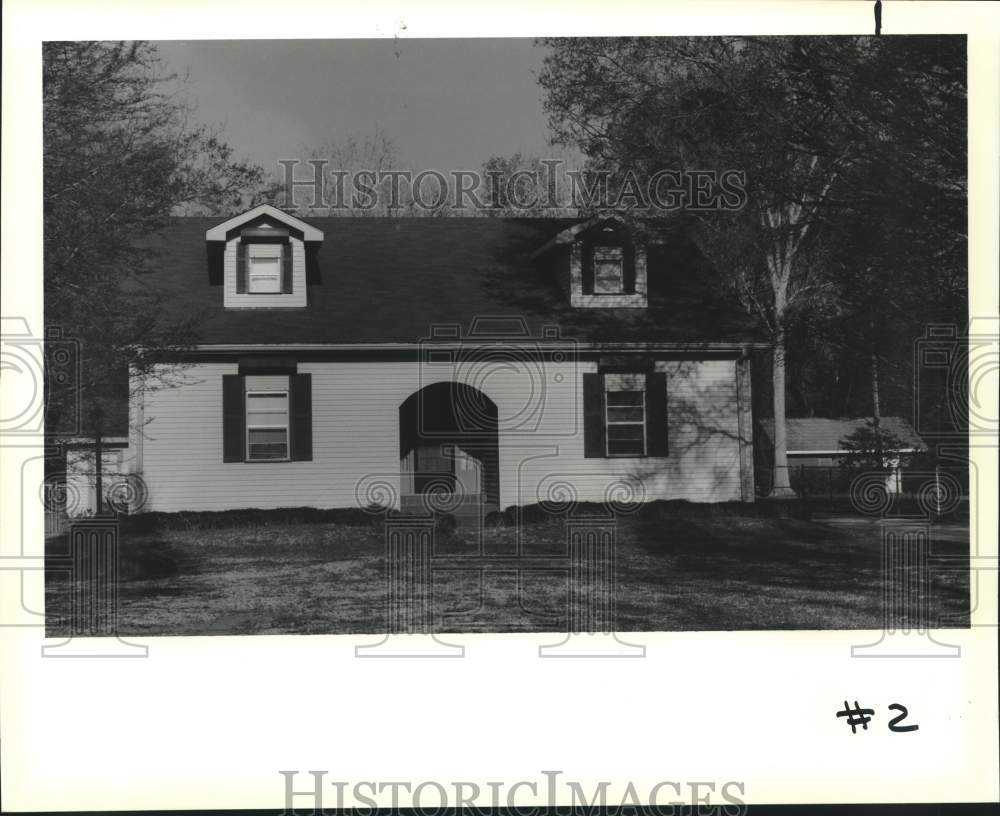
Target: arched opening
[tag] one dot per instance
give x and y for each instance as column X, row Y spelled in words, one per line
column 449, row 447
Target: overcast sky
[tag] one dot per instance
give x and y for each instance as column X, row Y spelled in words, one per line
column 446, row 103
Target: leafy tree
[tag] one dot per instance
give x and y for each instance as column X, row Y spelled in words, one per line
column 807, row 120
column 120, row 157
column 871, row 448
column 898, row 239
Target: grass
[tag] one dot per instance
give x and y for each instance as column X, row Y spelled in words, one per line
column 700, row 572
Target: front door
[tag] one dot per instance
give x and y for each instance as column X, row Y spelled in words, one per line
column 434, row 471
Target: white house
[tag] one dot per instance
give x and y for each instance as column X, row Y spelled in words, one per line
column 350, row 361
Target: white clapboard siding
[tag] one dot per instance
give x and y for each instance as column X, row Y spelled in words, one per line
column 232, row 300
column 356, row 437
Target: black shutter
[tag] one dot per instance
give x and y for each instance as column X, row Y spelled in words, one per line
column 656, row 414
column 233, row 418
column 587, row 260
column 628, row 269
column 286, row 269
column 301, row 410
column 593, row 416
column 241, row 268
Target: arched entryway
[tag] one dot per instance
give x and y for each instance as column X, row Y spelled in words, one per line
column 449, row 447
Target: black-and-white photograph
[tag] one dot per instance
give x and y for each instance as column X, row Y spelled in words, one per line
column 512, row 409
column 572, row 335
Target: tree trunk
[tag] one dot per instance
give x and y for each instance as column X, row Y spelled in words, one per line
column 782, row 486
column 876, row 410
column 876, row 407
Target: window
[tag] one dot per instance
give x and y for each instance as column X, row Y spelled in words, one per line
column 264, row 269
column 625, row 414
column 267, row 426
column 266, row 417
column 609, row 271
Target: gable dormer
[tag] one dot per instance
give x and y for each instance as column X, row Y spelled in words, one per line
column 605, row 267
column 263, row 256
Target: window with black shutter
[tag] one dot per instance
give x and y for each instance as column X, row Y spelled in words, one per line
column 625, row 414
column 267, row 418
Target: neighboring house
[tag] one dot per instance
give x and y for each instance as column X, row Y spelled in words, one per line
column 485, row 361
column 816, row 443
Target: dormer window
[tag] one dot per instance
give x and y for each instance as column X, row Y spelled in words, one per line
column 609, row 270
column 261, row 258
column 264, row 261
column 607, row 264
column 264, row 269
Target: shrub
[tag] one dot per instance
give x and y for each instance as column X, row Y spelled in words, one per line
column 247, row 517
column 137, row 560
column 445, row 524
column 147, row 560
column 871, row 449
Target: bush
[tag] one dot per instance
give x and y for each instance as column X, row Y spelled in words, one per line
column 652, row 510
column 444, row 524
column 147, row 560
column 868, row 449
column 137, row 560
column 249, row 517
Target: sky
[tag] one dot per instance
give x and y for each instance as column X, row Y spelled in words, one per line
column 447, row 104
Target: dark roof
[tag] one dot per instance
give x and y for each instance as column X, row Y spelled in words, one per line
column 388, row 280
column 811, row 434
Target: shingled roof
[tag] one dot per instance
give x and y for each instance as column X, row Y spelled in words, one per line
column 388, row 280
column 823, row 435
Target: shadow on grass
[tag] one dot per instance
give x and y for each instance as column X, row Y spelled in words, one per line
column 694, row 569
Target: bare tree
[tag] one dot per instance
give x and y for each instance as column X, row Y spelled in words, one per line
column 120, row 157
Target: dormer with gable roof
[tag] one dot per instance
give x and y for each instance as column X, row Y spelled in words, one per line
column 263, row 254
column 605, row 266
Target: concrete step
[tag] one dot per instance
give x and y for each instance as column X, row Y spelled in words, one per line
column 470, row 508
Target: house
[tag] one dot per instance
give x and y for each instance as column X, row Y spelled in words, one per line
column 466, row 361
column 815, row 444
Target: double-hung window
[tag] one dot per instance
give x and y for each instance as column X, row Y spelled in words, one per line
column 625, row 414
column 267, row 425
column 267, row 417
column 264, row 268
column 609, row 270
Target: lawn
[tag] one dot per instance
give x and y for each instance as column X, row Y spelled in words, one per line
column 691, row 573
